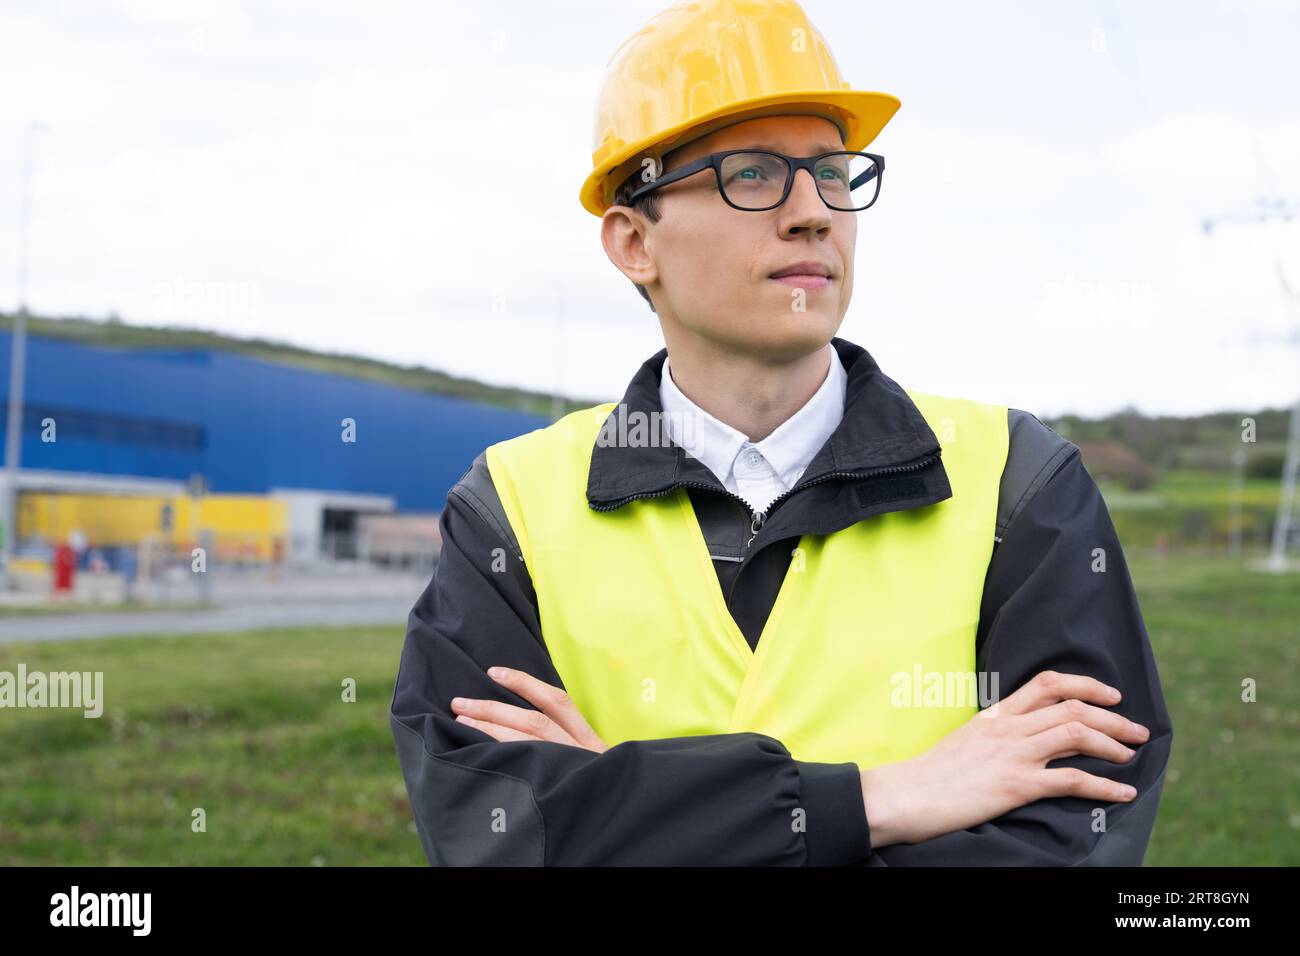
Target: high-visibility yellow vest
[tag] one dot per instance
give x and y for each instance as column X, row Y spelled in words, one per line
column 868, row 654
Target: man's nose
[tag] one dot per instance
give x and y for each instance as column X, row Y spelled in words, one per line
column 804, row 210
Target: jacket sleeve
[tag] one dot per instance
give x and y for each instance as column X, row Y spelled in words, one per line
column 721, row 799
column 1048, row 605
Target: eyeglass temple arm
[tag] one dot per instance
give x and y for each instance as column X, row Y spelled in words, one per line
column 866, row 175
column 689, row 169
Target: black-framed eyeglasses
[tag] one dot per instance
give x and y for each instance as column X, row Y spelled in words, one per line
column 756, row 180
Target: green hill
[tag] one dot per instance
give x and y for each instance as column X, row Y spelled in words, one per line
column 113, row 333
column 1200, row 442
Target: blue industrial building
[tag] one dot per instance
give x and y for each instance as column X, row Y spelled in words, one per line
column 248, row 426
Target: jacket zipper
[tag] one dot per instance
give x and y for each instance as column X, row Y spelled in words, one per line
column 758, row 517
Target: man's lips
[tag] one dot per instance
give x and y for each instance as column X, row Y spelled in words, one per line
column 803, row 280
column 808, row 274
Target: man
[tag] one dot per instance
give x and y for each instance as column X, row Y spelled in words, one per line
column 737, row 634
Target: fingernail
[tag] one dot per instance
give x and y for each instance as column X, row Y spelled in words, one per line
column 496, row 673
column 1129, row 791
column 1114, row 693
column 459, row 702
column 1142, row 730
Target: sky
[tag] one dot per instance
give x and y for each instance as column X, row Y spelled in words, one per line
column 306, row 172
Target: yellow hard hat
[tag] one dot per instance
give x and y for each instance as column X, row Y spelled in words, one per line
column 702, row 65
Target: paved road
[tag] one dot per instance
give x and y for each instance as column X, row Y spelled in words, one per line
column 243, row 605
column 64, row 627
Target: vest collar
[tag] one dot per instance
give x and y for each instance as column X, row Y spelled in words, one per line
column 881, row 428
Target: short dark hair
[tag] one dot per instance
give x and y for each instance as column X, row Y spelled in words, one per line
column 647, row 205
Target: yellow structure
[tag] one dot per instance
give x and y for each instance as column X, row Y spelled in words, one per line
column 248, row 527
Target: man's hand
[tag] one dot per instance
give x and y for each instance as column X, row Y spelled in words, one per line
column 995, row 761
column 557, row 719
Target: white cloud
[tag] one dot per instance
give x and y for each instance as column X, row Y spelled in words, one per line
column 401, row 182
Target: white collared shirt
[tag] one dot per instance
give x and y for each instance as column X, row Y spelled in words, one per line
column 757, row 471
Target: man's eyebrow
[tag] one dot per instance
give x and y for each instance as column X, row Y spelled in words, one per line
column 817, row 150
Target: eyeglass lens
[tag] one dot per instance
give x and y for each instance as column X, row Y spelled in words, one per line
column 846, row 181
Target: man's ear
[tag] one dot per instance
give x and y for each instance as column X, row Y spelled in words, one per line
column 624, row 234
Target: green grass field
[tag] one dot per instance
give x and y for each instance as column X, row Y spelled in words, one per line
column 122, row 607
column 1232, row 796
column 1193, row 510
column 252, row 728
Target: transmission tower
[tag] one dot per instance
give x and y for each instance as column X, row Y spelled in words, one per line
column 1264, row 209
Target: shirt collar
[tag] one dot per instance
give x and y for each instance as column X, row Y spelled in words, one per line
column 881, row 427
column 788, row 449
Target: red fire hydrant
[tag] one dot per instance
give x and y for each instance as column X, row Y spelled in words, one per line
column 65, row 563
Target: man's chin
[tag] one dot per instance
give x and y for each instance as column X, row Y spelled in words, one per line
column 787, row 336
column 816, row 323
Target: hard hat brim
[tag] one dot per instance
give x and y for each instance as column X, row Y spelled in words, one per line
column 860, row 114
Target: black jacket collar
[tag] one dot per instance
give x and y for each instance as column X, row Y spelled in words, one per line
column 882, row 428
